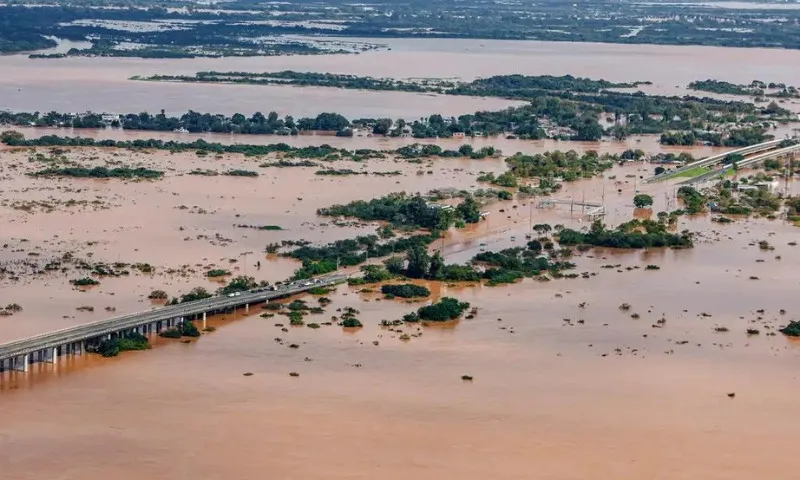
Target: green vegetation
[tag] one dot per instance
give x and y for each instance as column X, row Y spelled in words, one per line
column 514, row 83
column 349, row 319
column 734, row 137
column 241, row 173
column 756, row 88
column 642, row 200
column 694, row 202
column 239, row 284
column 568, row 166
column 565, row 107
column 183, row 329
column 158, row 295
column 217, row 272
column 350, row 252
column 447, row 308
column 406, row 290
column 633, row 234
column 83, row 282
column 100, row 172
column 717, row 86
column 402, row 210
column 791, row 330
column 729, row 198
column 260, row 227
column 321, row 291
column 512, row 264
column 692, row 172
column 113, row 347
column 197, row 293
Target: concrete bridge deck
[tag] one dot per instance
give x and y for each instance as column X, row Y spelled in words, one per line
column 744, row 163
column 714, row 159
column 16, row 354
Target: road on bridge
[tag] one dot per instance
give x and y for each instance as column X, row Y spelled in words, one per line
column 198, row 307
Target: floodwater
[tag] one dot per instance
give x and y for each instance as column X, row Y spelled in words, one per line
column 559, row 391
column 648, row 143
column 101, row 84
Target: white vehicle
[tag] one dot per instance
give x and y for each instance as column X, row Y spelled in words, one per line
column 231, row 294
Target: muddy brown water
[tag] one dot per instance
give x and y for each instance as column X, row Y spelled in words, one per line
column 611, row 397
column 101, row 84
column 629, row 400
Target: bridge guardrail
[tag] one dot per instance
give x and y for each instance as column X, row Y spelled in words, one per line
column 103, row 327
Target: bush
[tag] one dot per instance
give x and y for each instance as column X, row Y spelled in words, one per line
column 158, row 295
column 351, row 322
column 85, row 281
column 112, row 347
column 217, row 272
column 171, row 333
column 185, row 329
column 791, row 330
column 406, row 290
column 296, row 318
column 447, row 308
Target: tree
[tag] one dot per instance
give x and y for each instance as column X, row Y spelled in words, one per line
column 11, row 136
column 239, row 284
column 418, row 262
column 382, row 126
column 659, row 170
column 542, row 228
column 469, row 210
column 642, row 200
column 395, row 265
column 436, row 267
column 535, row 246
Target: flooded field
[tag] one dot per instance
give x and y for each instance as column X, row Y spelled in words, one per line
column 565, row 384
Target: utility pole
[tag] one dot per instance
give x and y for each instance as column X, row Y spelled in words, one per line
column 530, row 217
column 583, row 202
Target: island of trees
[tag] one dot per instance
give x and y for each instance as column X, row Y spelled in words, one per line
column 563, row 107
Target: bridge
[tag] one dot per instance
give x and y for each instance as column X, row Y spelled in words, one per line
column 742, row 163
column 17, row 355
column 714, row 159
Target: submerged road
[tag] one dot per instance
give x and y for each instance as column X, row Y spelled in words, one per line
column 72, row 340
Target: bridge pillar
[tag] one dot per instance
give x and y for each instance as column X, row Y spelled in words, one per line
column 20, row 365
column 246, row 308
column 53, row 355
column 205, row 323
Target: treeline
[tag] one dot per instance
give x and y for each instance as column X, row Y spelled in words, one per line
column 633, row 234
column 518, row 86
column 756, row 88
column 573, row 104
column 568, row 165
column 323, row 152
column 737, row 137
column 560, row 113
column 100, row 172
column 408, row 211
